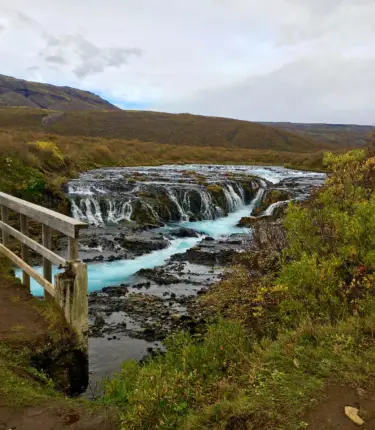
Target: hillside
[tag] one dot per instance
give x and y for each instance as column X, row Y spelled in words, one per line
column 162, row 128
column 18, row 92
column 349, row 135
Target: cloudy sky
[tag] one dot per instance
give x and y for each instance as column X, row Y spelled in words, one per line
column 269, row 60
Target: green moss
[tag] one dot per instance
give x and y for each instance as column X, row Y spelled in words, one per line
column 214, row 188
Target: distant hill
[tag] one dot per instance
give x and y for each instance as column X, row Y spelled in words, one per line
column 21, row 93
column 349, row 135
column 164, row 128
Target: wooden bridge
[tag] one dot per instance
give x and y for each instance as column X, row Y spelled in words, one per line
column 70, row 288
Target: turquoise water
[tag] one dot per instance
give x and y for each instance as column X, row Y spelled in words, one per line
column 113, row 273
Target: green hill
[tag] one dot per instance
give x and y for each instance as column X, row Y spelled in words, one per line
column 349, row 135
column 163, row 128
column 18, row 92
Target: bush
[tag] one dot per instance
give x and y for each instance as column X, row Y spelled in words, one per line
column 332, row 245
column 161, row 393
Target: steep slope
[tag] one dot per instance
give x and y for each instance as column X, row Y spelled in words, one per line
column 18, row 92
column 163, row 128
column 349, row 135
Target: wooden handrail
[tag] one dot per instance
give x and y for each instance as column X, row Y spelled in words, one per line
column 71, row 287
column 35, row 246
column 49, row 220
column 62, row 223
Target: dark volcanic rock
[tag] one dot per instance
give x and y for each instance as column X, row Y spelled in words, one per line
column 160, row 276
column 185, row 232
column 139, row 244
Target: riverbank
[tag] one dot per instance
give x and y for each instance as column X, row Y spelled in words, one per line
column 298, row 326
column 38, row 367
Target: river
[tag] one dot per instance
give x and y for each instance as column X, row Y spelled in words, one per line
column 181, row 221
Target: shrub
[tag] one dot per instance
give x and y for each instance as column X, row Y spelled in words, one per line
column 161, row 393
column 49, row 153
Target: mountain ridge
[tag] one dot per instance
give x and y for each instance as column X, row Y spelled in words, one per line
column 22, row 93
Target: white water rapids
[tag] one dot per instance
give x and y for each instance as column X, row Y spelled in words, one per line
column 96, row 183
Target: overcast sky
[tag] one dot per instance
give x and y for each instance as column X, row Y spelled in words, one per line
column 258, row 60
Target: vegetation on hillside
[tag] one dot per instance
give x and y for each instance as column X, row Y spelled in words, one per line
column 35, row 165
column 162, row 128
column 347, row 135
column 21, row 93
column 290, row 323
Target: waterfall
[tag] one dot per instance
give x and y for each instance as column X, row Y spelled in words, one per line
column 183, row 216
column 150, row 209
column 76, row 211
column 207, row 206
column 89, row 210
column 258, row 198
column 119, row 211
column 233, row 199
column 92, row 211
column 269, row 211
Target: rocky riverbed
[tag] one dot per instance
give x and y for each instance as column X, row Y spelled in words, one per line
column 159, row 237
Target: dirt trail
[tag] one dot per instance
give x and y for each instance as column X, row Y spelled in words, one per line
column 330, row 415
column 18, row 315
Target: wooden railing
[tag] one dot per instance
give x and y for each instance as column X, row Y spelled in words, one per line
column 70, row 289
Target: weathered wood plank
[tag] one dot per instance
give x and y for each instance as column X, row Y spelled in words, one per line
column 73, row 249
column 62, row 223
column 35, row 246
column 29, row 270
column 47, row 266
column 24, row 222
column 4, row 218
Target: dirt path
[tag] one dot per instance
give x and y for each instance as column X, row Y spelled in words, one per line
column 17, row 312
column 23, row 323
column 330, row 415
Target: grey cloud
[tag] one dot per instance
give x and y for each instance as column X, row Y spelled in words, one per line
column 306, row 60
column 85, row 57
column 2, row 27
column 33, row 69
column 320, row 89
column 25, row 18
column 55, row 59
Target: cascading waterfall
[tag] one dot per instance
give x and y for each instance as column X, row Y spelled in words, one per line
column 269, row 211
column 92, row 211
column 120, row 201
column 150, row 209
column 183, row 216
column 207, row 206
column 102, row 209
column 258, row 198
column 233, row 199
column 119, row 212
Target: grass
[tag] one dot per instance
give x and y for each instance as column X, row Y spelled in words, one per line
column 162, row 128
column 30, row 172
column 227, row 381
column 295, row 322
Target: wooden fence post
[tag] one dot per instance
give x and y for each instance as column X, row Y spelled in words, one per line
column 4, row 219
column 71, row 294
